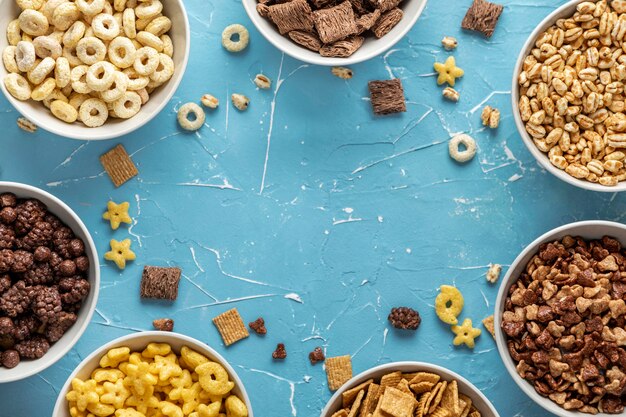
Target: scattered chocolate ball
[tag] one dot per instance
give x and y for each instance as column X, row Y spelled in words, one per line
column 258, row 326
column 280, row 352
column 10, row 358
column 164, row 325
column 404, row 318
column 317, row 355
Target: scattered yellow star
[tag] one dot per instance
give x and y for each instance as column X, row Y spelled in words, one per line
column 120, row 253
column 448, row 72
column 117, row 214
column 465, row 334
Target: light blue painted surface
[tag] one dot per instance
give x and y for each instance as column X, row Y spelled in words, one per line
column 354, row 214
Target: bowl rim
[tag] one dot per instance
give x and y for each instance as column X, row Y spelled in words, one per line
column 45, row 362
column 154, row 336
column 541, row 157
column 365, row 375
column 102, row 133
column 506, row 283
column 295, row 51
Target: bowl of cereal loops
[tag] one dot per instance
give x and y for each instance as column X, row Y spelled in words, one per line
column 324, row 32
column 49, row 279
column 568, row 95
column 409, row 389
column 153, row 373
column 92, row 69
column 560, row 317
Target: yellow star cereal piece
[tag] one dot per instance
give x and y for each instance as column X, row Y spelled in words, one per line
column 120, row 253
column 140, row 379
column 115, row 394
column 448, row 72
column 214, row 378
column 128, row 412
column 154, row 349
column 107, row 375
column 449, row 304
column 101, row 410
column 114, row 357
column 83, row 393
column 465, row 334
column 211, row 410
column 74, row 412
column 166, row 367
column 142, row 402
column 190, row 397
column 170, row 409
column 117, row 214
column 179, row 384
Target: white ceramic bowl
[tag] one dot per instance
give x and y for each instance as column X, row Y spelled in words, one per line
column 27, row 368
column 371, row 47
column 593, row 229
column 566, row 10
column 465, row 387
column 113, row 128
column 137, row 342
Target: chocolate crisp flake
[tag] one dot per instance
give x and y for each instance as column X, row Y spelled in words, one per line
column 160, row 283
column 294, row 15
column 387, row 22
column 335, row 23
column 344, row 48
column 482, row 17
column 387, row 96
column 306, row 39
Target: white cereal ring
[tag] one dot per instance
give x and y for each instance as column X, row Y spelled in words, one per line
column 33, row 23
column 462, row 155
column 131, row 4
column 14, row 33
column 127, row 106
column 43, row 90
column 159, row 26
column 74, row 34
column 79, row 79
column 25, row 56
column 196, row 121
column 17, row 86
column 146, row 60
column 148, row 9
column 8, row 59
column 105, row 26
column 93, row 112
column 67, row 90
column 122, row 52
column 108, row 8
column 235, row 45
column 145, row 97
column 41, row 70
column 164, row 70
column 69, row 53
column 29, row 4
column 54, row 96
column 168, row 45
column 47, row 46
column 57, row 35
column 141, row 24
column 48, row 8
column 90, row 7
column 76, row 99
column 117, row 89
column 128, row 23
column 119, row 5
column 148, row 39
column 63, row 111
column 100, row 76
column 89, row 32
column 91, row 50
column 62, row 72
column 135, row 81
column 65, row 15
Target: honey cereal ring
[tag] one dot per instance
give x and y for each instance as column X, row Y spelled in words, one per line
column 91, row 50
column 41, row 70
column 117, row 88
column 17, row 86
column 120, row 5
column 164, row 70
column 78, row 77
column 62, row 72
column 449, row 304
column 29, row 4
column 135, row 81
column 214, row 379
column 149, row 9
column 47, row 46
column 128, row 23
column 232, row 31
column 69, row 53
column 197, row 120
column 43, row 90
column 93, row 112
column 8, row 59
column 65, row 15
column 49, row 6
column 146, row 60
column 159, row 26
column 122, row 52
column 55, row 95
column 127, row 106
column 74, row 34
column 63, row 111
column 25, row 56
column 90, row 7
column 100, row 75
column 33, row 23
column 105, row 26
column 148, row 39
column 462, row 155
column 168, row 45
column 14, row 33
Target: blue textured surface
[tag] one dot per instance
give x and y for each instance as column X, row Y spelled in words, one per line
column 311, row 212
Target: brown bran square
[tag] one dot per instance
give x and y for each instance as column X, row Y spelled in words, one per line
column 293, row 15
column 482, row 17
column 387, row 96
column 118, row 165
column 335, row 23
column 160, row 282
column 231, row 327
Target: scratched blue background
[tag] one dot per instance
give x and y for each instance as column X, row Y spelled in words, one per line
column 311, row 212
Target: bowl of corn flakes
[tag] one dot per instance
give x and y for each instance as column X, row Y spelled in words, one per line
column 153, row 373
column 92, row 70
column 409, row 389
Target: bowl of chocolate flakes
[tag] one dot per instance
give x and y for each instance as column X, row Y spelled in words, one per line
column 561, row 316
column 329, row 32
column 49, row 279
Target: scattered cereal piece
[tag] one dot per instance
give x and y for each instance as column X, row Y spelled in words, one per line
column 387, row 96
column 160, row 282
column 231, row 327
column 338, row 371
column 493, row 274
column 449, row 304
column 235, row 38
column 482, row 17
column 258, row 326
column 465, row 334
column 26, row 125
column 342, row 72
column 240, row 101
column 191, row 117
column 404, row 318
column 280, row 352
column 448, row 71
column 209, row 101
column 317, row 355
column 490, row 117
column 451, row 94
column 489, row 325
column 117, row 214
column 462, row 155
column 120, row 253
column 449, row 43
column 262, row 81
column 164, row 325
column 118, row 165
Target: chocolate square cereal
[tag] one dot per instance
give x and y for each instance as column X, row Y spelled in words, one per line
column 118, row 165
column 160, row 282
column 335, row 23
column 360, row 6
column 293, row 15
column 231, row 327
column 482, row 17
column 319, row 4
column 385, row 5
column 306, row 39
column 338, row 371
column 387, row 96
column 366, row 22
column 342, row 49
column 387, row 22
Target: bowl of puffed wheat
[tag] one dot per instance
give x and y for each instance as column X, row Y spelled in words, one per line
column 409, row 389
column 560, row 317
column 92, row 69
column 568, row 94
column 333, row 33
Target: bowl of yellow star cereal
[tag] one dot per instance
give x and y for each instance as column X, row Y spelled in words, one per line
column 153, row 374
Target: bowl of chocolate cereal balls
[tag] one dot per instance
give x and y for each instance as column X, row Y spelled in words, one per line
column 92, row 69
column 49, row 279
column 560, row 319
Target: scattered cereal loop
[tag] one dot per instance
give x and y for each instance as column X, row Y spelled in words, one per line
column 449, row 304
column 462, row 155
column 235, row 38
